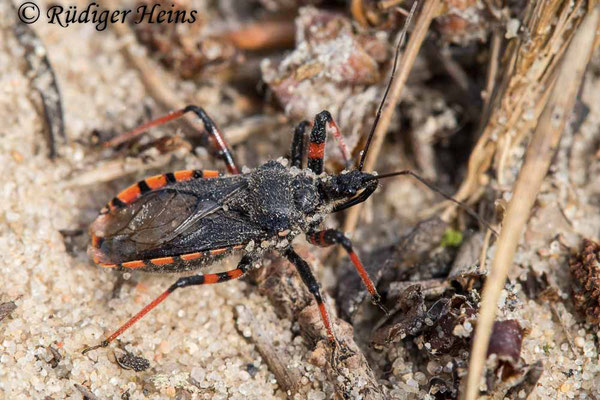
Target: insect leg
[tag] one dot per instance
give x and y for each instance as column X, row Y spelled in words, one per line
column 318, row 135
column 216, row 136
column 310, row 281
column 241, row 269
column 337, row 134
column 298, row 143
column 329, row 237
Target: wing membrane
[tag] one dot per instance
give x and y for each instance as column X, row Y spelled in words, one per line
column 161, row 219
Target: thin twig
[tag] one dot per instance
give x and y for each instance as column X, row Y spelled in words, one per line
column 43, row 81
column 114, row 169
column 565, row 329
column 406, row 63
column 484, row 250
column 492, row 75
column 539, row 155
column 151, row 77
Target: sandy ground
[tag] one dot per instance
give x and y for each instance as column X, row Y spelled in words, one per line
column 64, row 301
column 197, row 341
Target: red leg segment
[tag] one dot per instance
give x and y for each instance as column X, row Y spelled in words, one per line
column 215, row 134
column 318, row 136
column 241, row 269
column 337, row 134
column 330, row 237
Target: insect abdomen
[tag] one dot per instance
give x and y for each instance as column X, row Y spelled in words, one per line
column 179, row 263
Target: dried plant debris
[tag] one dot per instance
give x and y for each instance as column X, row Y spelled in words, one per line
column 432, row 121
column 463, row 22
column 442, row 333
column 536, row 43
column 409, row 318
column 6, row 309
column 435, row 320
column 215, row 45
column 185, row 48
column 539, row 287
column 328, row 70
column 526, row 383
column 423, row 256
column 133, row 362
column 437, row 333
column 345, row 365
column 458, row 21
column 441, row 326
column 466, row 270
column 43, row 81
column 380, row 14
column 505, row 346
column 506, row 371
column 54, row 356
column 422, row 260
column 453, row 319
column 425, row 252
column 585, row 269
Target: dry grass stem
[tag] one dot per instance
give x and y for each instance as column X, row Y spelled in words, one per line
column 428, row 12
column 537, row 161
column 43, row 83
column 492, row 73
column 518, row 99
column 114, row 169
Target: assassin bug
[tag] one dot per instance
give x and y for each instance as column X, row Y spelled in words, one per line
column 187, row 220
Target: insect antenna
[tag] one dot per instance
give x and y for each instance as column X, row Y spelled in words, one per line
column 387, row 89
column 363, row 156
column 462, row 205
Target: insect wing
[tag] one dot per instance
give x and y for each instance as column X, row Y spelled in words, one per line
column 157, row 218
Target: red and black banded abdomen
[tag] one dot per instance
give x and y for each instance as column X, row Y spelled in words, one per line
column 172, row 222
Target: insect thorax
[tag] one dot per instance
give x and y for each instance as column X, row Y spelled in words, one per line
column 282, row 199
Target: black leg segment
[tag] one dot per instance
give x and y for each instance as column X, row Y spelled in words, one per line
column 311, row 282
column 318, row 136
column 217, row 138
column 298, row 144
